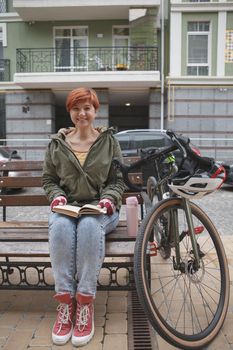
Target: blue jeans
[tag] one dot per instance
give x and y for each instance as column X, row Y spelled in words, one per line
column 77, row 250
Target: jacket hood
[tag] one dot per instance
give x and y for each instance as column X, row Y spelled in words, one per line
column 63, row 132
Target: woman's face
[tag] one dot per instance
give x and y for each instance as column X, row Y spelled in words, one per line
column 83, row 114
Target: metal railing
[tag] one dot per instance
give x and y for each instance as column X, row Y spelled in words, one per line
column 86, row 59
column 34, row 149
column 4, row 70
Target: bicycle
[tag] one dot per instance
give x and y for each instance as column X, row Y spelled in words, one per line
column 180, row 266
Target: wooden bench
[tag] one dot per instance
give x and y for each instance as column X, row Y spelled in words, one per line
column 24, row 253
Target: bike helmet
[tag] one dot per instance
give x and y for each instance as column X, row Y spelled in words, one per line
column 199, row 184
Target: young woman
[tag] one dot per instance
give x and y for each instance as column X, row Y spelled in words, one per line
column 78, row 170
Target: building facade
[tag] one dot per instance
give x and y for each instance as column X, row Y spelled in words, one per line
column 200, row 79
column 53, row 46
column 154, row 64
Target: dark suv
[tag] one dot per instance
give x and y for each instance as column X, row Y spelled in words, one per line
column 133, row 142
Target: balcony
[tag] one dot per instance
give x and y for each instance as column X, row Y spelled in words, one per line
column 97, row 66
column 4, row 70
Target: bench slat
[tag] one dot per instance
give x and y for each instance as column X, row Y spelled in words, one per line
column 23, row 224
column 41, row 249
column 22, row 165
column 23, row 200
column 41, row 200
column 38, row 234
column 20, row 181
column 38, row 224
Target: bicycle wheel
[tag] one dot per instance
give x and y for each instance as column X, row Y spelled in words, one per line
column 187, row 307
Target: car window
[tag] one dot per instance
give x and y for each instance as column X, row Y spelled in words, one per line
column 149, row 140
column 124, row 141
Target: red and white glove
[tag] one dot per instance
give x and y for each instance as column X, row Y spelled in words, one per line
column 109, row 205
column 60, row 200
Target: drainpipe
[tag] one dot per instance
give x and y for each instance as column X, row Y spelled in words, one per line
column 162, row 66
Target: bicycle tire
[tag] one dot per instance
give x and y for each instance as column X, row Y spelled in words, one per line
column 186, row 309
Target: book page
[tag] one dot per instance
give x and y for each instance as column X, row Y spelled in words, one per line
column 92, row 209
column 75, row 211
column 67, row 209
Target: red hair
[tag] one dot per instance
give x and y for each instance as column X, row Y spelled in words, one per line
column 82, row 94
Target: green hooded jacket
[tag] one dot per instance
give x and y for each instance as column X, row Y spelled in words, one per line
column 63, row 174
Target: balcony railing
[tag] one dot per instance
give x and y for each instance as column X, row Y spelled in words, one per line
column 86, row 59
column 3, row 6
column 4, row 70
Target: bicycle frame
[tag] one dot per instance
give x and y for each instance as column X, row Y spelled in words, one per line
column 191, row 233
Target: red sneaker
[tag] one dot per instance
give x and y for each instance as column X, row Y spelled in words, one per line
column 84, row 325
column 62, row 329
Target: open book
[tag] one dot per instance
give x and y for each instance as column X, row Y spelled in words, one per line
column 75, row 211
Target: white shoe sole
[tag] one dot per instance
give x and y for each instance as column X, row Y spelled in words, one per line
column 61, row 339
column 80, row 341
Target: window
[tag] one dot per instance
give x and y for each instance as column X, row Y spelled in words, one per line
column 3, row 6
column 198, row 49
column 199, row 0
column 120, row 44
column 71, row 47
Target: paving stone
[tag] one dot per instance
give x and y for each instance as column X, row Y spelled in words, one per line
column 101, row 297
column 116, row 326
column 5, row 332
column 115, row 341
column 227, row 329
column 67, row 346
column 100, row 310
column 39, row 348
column 117, row 304
column 44, row 326
column 116, row 316
column 118, row 293
column 220, row 342
column 97, row 341
column 28, row 323
column 45, row 340
column 99, row 321
column 10, row 319
column 163, row 345
column 18, row 340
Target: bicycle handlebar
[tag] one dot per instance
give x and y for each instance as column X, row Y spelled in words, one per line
column 179, row 142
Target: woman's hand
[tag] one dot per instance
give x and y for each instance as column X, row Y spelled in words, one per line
column 108, row 204
column 60, row 200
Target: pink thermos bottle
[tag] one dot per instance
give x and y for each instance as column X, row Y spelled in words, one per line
column 132, row 216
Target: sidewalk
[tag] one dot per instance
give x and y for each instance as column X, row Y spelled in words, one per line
column 27, row 317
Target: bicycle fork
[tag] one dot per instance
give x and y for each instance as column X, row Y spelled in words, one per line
column 177, row 261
